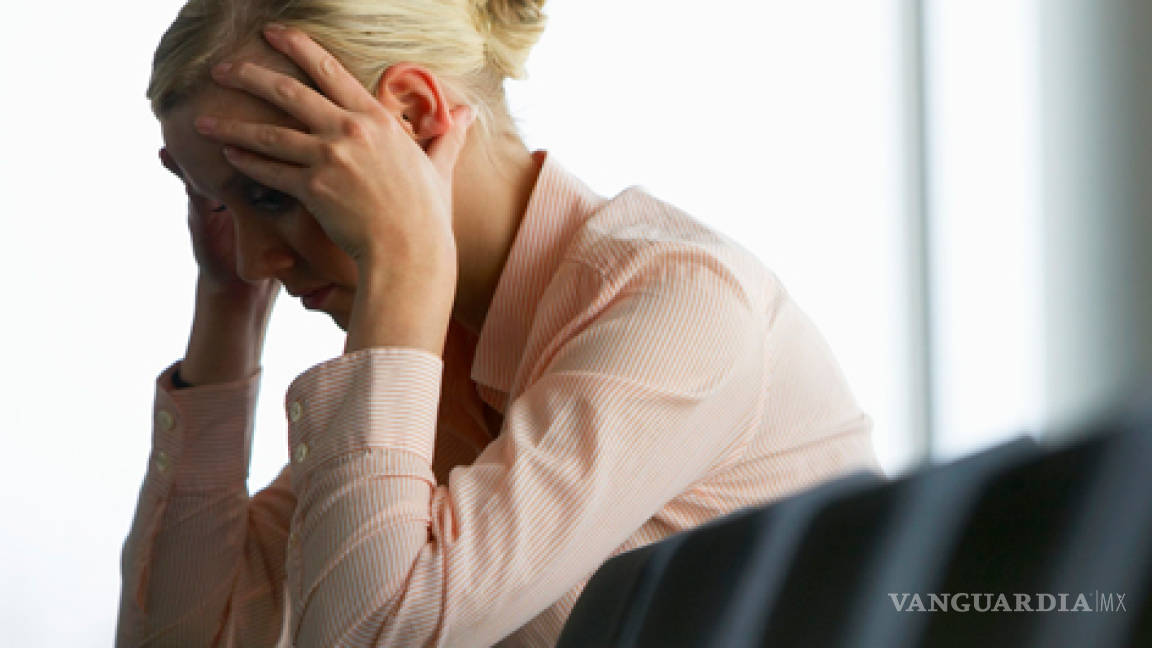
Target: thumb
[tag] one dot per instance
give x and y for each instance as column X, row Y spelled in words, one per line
column 445, row 150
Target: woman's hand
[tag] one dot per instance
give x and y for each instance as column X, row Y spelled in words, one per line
column 377, row 194
column 214, row 244
column 231, row 317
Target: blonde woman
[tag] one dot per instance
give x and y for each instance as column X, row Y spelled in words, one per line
column 535, row 379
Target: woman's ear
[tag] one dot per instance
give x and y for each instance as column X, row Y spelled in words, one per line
column 414, row 96
column 408, row 125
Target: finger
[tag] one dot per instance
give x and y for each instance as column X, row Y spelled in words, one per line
column 445, row 150
column 277, row 175
column 334, row 80
column 280, row 90
column 277, row 142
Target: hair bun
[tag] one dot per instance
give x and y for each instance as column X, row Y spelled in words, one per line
column 516, row 12
column 512, row 28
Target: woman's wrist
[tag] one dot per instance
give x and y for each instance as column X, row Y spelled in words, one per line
column 237, row 296
column 402, row 305
column 228, row 331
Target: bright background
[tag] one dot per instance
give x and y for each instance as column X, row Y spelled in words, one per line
column 890, row 175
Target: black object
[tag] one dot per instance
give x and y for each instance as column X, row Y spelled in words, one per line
column 839, row 565
column 178, row 382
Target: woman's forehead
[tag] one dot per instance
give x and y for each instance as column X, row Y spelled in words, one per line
column 200, row 158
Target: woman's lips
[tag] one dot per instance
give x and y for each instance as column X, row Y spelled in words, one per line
column 315, row 299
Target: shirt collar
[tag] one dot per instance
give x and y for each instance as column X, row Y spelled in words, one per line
column 559, row 204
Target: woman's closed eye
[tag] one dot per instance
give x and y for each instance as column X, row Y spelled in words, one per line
column 267, row 199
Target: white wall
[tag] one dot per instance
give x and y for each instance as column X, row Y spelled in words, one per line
column 1040, row 215
column 985, row 248
column 777, row 122
column 1097, row 205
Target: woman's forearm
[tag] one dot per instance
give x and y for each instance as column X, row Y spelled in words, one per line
column 228, row 331
column 409, row 308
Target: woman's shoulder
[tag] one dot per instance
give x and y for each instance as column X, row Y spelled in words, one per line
column 637, row 237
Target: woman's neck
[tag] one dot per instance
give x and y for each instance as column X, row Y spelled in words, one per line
column 491, row 189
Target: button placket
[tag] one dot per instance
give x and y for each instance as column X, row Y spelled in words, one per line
column 295, row 413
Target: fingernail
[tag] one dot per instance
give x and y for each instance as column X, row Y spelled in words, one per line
column 222, row 68
column 274, row 26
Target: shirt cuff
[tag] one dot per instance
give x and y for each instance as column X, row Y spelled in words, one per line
column 202, row 436
column 380, row 397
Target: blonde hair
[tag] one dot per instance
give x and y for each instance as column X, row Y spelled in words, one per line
column 470, row 45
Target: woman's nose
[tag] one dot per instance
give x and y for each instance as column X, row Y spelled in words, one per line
column 260, row 251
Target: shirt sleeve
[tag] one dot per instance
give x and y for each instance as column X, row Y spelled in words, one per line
column 203, row 563
column 625, row 409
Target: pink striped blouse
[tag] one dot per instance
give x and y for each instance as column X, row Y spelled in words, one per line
column 637, row 374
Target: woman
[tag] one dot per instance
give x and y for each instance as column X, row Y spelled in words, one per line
column 535, row 377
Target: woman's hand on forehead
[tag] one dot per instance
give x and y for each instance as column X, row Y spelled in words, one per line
column 357, row 170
